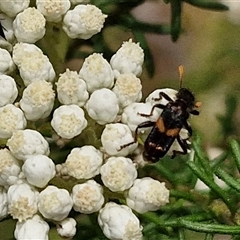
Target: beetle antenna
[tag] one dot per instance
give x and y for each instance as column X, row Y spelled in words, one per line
column 180, row 72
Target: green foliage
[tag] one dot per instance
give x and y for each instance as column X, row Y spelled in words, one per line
column 211, row 212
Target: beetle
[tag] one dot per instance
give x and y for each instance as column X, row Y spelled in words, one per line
column 166, row 129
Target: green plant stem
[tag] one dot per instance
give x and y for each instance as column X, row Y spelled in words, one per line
column 207, row 5
column 228, row 179
column 208, row 236
column 235, row 148
column 165, row 172
column 212, row 185
column 181, row 235
column 202, row 159
column 192, row 223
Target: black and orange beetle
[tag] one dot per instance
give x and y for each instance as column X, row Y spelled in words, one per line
column 166, row 129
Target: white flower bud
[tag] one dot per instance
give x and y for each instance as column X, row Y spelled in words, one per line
column 128, row 89
column 114, row 136
column 155, row 98
column 83, row 21
column 68, row 121
column 9, row 168
column 39, row 170
column 29, row 26
column 53, row 10
column 22, row 201
column 84, row 162
column 6, row 63
column 37, row 100
column 131, row 114
column 71, row 89
column 54, row 203
column 11, row 119
column 32, row 229
column 33, row 65
column 147, row 194
column 67, row 228
column 3, row 203
column 128, row 59
column 118, row 222
column 102, row 106
column 96, row 72
column 24, row 50
column 87, row 197
column 118, row 173
column 25, row 143
column 13, row 7
column 8, row 90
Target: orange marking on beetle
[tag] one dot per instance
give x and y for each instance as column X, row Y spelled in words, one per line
column 198, row 104
column 160, row 125
column 173, row 132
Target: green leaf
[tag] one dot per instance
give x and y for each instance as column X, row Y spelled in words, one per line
column 235, row 148
column 176, row 11
column 207, row 5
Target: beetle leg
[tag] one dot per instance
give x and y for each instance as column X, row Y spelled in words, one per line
column 163, row 95
column 159, row 105
column 141, row 125
column 188, row 128
column 194, row 112
column 183, row 144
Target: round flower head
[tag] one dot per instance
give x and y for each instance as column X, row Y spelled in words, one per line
column 71, row 89
column 68, row 121
column 25, row 143
column 102, row 106
column 53, row 10
column 37, row 100
column 83, row 21
column 128, row 59
column 96, row 72
column 24, row 50
column 84, row 162
column 11, row 119
column 147, row 194
column 3, row 203
column 87, row 197
column 8, row 90
column 114, row 136
column 54, row 203
column 131, row 114
column 6, row 63
column 67, row 228
column 32, row 228
column 118, row 173
column 29, row 25
column 118, row 222
column 39, row 170
column 13, row 7
column 9, row 168
column 22, row 201
column 155, row 97
column 128, row 89
column 33, row 65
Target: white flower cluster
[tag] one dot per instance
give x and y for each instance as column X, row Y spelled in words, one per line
column 104, row 95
